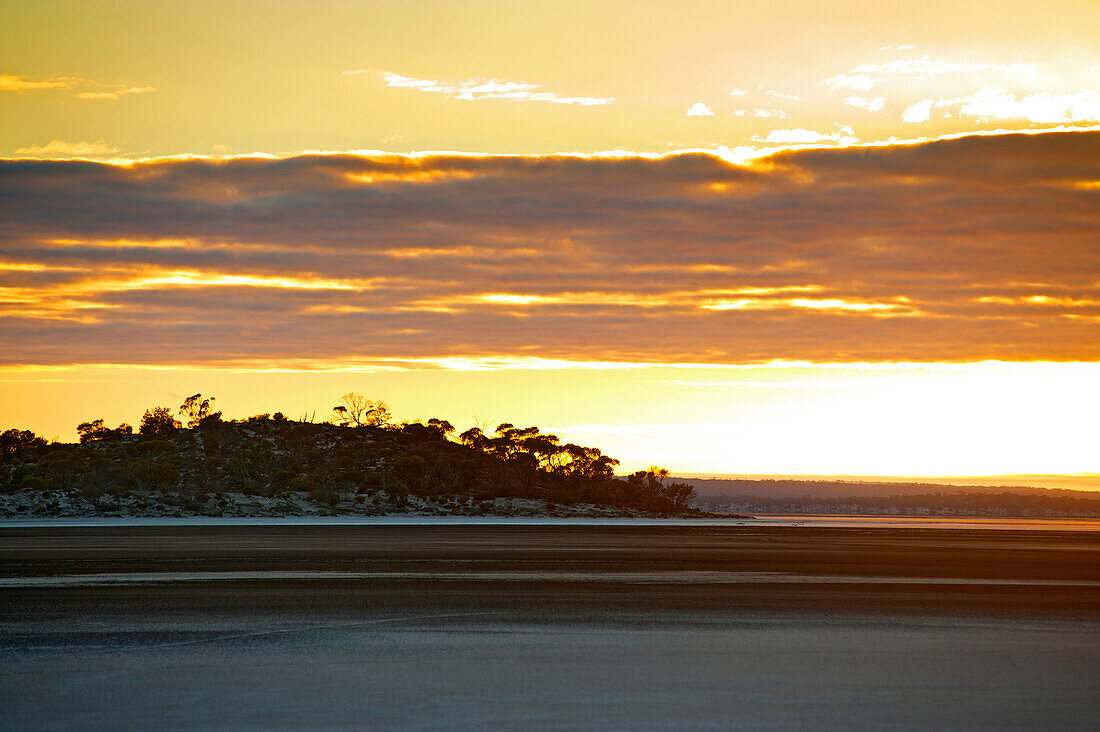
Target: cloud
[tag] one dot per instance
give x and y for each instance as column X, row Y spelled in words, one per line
column 770, row 113
column 81, row 88
column 919, row 112
column 470, row 90
column 877, row 104
column 995, row 103
column 844, row 136
column 15, row 83
column 699, row 110
column 865, row 76
column 857, row 82
column 738, row 92
column 965, row 249
column 60, row 148
column 114, row 95
column 928, row 66
column 780, row 95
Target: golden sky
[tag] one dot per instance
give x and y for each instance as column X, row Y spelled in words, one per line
column 845, row 238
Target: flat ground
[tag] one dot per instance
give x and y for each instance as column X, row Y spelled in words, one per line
column 568, row 627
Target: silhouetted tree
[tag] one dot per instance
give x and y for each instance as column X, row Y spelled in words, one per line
column 97, row 430
column 158, row 421
column 94, row 430
column 199, row 411
column 14, row 442
column 355, row 410
column 434, row 431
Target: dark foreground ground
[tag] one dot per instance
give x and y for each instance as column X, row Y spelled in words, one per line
column 565, row 627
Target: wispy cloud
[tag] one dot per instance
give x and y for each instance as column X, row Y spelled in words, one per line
column 995, row 103
column 80, row 88
column 865, row 76
column 856, row 82
column 781, row 95
column 876, row 104
column 470, row 90
column 928, row 66
column 60, row 148
column 770, row 113
column 115, row 94
column 798, row 136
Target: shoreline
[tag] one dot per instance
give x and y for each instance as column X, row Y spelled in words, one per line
column 72, row 504
column 784, row 521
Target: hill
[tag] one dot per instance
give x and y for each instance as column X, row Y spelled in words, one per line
column 797, row 487
column 793, row 496
column 269, row 465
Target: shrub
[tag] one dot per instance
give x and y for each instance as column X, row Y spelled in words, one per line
column 300, row 483
column 158, row 421
column 152, row 448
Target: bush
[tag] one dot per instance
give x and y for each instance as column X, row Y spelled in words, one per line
column 152, row 448
column 34, row 483
column 300, row 483
column 158, row 421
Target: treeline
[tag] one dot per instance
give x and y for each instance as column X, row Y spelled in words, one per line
column 358, row 451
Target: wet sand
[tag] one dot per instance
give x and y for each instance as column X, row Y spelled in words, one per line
column 568, row 627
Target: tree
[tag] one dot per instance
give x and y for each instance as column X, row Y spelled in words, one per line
column 94, row 430
column 13, row 442
column 355, row 410
column 434, row 431
column 678, row 493
column 158, row 421
column 645, row 485
column 199, row 411
column 97, row 430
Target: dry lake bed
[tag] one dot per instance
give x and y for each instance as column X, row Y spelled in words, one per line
column 565, row 626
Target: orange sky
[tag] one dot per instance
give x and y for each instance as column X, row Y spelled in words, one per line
column 822, row 238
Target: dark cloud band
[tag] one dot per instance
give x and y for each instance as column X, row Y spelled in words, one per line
column 985, row 247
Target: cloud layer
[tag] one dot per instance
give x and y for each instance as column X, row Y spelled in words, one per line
column 967, row 249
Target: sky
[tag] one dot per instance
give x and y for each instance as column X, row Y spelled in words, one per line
column 851, row 238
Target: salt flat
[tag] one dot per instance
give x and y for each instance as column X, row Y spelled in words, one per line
column 561, row 627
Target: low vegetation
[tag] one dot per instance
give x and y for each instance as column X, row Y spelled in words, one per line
column 357, row 457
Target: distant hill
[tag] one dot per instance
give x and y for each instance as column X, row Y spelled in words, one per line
column 795, row 488
column 793, row 496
